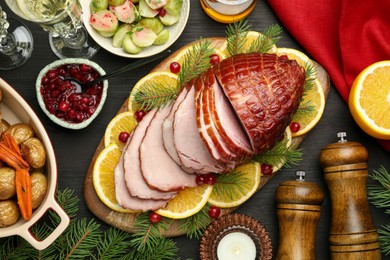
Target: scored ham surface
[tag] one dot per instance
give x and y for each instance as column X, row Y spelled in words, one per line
column 265, row 91
column 236, row 109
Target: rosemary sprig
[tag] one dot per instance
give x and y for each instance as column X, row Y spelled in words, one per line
column 195, row 225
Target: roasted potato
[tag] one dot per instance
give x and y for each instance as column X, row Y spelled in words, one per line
column 33, row 152
column 4, row 125
column 9, row 213
column 7, row 183
column 20, row 132
column 38, row 188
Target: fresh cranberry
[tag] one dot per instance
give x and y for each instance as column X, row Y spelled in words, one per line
column 214, row 58
column 174, row 67
column 214, row 212
column 266, row 169
column 200, row 180
column 210, row 178
column 123, row 136
column 139, row 114
column 294, row 127
column 154, row 217
column 162, row 12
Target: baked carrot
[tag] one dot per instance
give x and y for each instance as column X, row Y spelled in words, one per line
column 24, row 193
column 11, row 158
column 10, row 142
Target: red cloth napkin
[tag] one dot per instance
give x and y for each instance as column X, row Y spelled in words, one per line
column 344, row 36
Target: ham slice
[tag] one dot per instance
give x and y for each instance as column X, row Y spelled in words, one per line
column 135, row 182
column 190, row 148
column 159, row 170
column 125, row 199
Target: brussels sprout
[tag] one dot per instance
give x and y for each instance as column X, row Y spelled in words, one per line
column 7, row 183
column 97, row 5
column 120, row 35
column 104, row 22
column 169, row 19
column 156, row 4
column 116, row 2
column 126, row 13
column 173, row 7
column 20, row 132
column 9, row 213
column 142, row 36
column 162, row 37
column 38, row 188
column 152, row 23
column 129, row 46
column 145, row 10
column 33, row 152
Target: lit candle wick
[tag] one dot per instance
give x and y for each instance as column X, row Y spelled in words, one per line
column 236, row 246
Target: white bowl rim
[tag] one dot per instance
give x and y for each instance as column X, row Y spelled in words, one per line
column 106, row 43
column 57, row 120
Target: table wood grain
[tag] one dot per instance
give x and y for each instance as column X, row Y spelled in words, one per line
column 74, row 149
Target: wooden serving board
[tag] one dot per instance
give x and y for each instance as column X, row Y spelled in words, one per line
column 125, row 221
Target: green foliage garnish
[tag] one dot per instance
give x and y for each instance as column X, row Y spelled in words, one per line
column 267, row 39
column 232, row 183
column 155, row 95
column 195, row 225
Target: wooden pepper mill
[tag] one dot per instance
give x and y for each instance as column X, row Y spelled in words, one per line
column 353, row 234
column 298, row 211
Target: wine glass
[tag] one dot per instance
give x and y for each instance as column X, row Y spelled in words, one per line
column 62, row 19
column 16, row 42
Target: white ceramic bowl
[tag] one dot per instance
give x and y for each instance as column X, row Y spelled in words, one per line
column 15, row 110
column 106, row 43
column 57, row 120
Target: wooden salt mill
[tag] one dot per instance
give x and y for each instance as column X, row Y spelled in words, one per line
column 298, row 211
column 353, row 234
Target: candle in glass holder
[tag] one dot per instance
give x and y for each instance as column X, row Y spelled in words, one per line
column 228, row 11
column 237, row 246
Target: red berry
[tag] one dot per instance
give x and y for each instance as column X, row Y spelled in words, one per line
column 162, row 12
column 154, row 217
column 214, row 58
column 211, row 178
column 123, row 136
column 214, row 212
column 200, row 179
column 174, row 67
column 266, row 169
column 139, row 114
column 294, row 127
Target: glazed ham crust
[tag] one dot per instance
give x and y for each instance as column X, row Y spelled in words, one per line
column 265, row 91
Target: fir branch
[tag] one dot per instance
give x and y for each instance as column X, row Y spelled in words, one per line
column 267, row 39
column 310, row 75
column 147, row 234
column 164, row 249
column 236, row 36
column 113, row 244
column 304, row 110
column 281, row 154
column 196, row 60
column 80, row 239
column 384, row 239
column 154, row 95
column 379, row 194
column 232, row 184
column 195, row 225
column 68, row 202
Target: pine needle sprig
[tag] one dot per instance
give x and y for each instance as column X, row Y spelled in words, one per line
column 266, row 40
column 304, row 110
column 196, row 61
column 236, row 36
column 113, row 244
column 154, row 95
column 232, row 184
column 68, row 202
column 81, row 239
column 310, row 75
column 165, row 249
column 384, row 239
column 281, row 154
column 195, row 225
column 147, row 234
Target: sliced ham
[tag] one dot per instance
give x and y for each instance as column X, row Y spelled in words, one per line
column 125, row 199
column 135, row 182
column 190, row 148
column 159, row 170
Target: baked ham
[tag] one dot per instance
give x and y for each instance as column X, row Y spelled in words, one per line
column 238, row 108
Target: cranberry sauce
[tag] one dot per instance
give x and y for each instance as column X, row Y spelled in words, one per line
column 61, row 98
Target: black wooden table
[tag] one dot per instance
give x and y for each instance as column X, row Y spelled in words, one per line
column 74, row 149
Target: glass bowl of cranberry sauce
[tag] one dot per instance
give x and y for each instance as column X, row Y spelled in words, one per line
column 62, row 101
